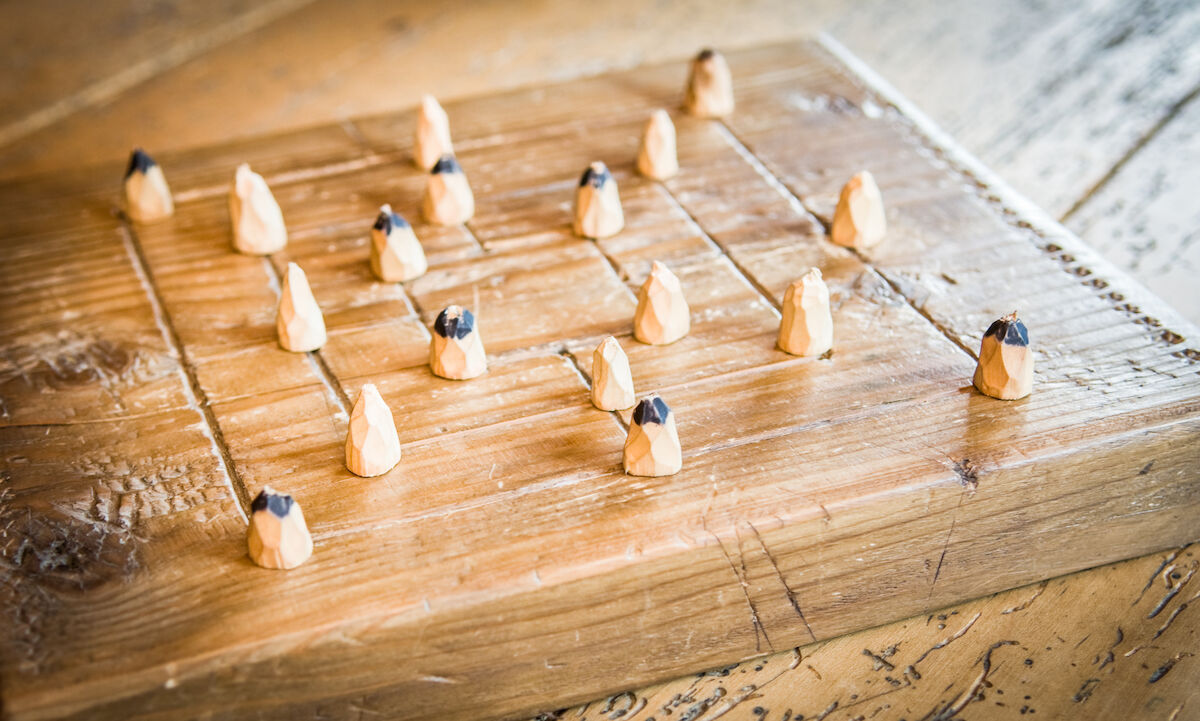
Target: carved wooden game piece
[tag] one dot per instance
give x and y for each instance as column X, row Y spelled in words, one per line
column 456, row 350
column 612, row 381
column 710, row 87
column 859, row 220
column 147, row 196
column 299, row 322
column 652, row 446
column 278, row 536
column 257, row 220
column 656, row 155
column 806, row 328
column 662, row 315
column 1005, row 369
column 431, row 139
column 372, row 445
column 598, row 204
column 448, row 197
column 396, row 254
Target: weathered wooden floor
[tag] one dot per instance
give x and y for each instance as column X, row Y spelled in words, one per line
column 1089, row 108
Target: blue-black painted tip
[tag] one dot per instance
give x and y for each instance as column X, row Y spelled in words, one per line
column 651, row 410
column 459, row 326
column 596, row 177
column 139, row 162
column 446, row 164
column 279, row 504
column 706, row 54
column 387, row 221
column 1009, row 332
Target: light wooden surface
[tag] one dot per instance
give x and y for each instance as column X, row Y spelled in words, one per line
column 1060, row 98
column 794, row 467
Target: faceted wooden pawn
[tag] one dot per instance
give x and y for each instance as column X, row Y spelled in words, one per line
column 396, row 254
column 147, row 196
column 652, row 446
column 299, row 323
column 456, row 350
column 278, row 536
column 662, row 315
column 859, row 220
column 710, row 87
column 598, row 204
column 448, row 197
column 1005, row 368
column 806, row 328
column 372, row 445
column 612, row 381
column 431, row 138
column 656, row 155
column 257, row 220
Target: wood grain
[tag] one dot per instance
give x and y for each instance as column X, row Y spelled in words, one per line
column 994, row 658
column 507, row 564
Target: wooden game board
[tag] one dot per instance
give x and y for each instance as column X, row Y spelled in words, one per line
column 507, row 564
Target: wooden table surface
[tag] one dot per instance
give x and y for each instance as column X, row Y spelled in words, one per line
column 1124, row 631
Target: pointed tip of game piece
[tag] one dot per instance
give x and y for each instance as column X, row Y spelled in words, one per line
column 372, row 443
column 448, row 197
column 859, row 221
column 1005, row 366
column 258, row 227
column 806, row 322
column 657, row 158
column 147, row 197
column 456, row 348
column 652, row 446
column 710, row 86
column 662, row 315
column 598, row 212
column 277, row 536
column 612, row 380
column 299, row 323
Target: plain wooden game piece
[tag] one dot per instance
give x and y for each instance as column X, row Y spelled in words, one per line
column 806, row 328
column 456, row 350
column 278, row 536
column 652, row 446
column 396, row 254
column 598, row 211
column 448, row 197
column 431, row 138
column 859, row 220
column 147, row 196
column 612, row 381
column 710, row 87
column 656, row 155
column 258, row 227
column 662, row 314
column 298, row 322
column 1005, row 368
column 372, row 444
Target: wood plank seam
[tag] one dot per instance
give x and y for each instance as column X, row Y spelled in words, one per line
column 746, row 151
column 749, row 279
column 989, row 188
column 192, row 387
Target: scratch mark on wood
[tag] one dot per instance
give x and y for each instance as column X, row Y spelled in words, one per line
column 1085, row 691
column 1109, row 657
column 745, row 587
column 791, row 595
